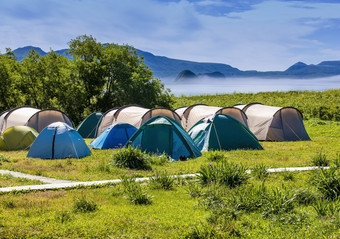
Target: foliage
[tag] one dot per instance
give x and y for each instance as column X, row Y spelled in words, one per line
column 224, row 173
column 134, row 192
column 323, row 207
column 84, row 205
column 133, row 158
column 215, row 156
column 259, row 171
column 328, row 182
column 320, row 159
column 4, row 158
column 288, row 175
column 162, row 180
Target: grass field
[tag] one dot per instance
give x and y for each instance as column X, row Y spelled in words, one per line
column 280, row 205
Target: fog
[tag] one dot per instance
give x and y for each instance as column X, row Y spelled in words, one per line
column 248, row 85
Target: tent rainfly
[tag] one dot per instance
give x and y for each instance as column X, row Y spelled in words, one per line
column 114, row 136
column 162, row 134
column 16, row 117
column 194, row 113
column 275, row 123
column 17, row 138
column 88, row 127
column 222, row 132
column 43, row 118
column 58, row 140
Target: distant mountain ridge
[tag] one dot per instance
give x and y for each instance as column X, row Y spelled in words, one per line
column 165, row 67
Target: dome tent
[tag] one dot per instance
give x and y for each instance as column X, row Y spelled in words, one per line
column 272, row 123
column 17, row 138
column 114, row 136
column 88, row 127
column 42, row 118
column 162, row 134
column 58, row 140
column 222, row 132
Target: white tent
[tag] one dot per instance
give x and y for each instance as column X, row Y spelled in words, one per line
column 275, row 123
column 194, row 113
column 16, row 117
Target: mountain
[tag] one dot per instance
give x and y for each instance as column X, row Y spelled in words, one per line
column 165, row 67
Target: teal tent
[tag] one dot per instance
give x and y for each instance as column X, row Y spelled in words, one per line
column 162, row 134
column 58, row 140
column 114, row 136
column 88, row 127
column 222, row 132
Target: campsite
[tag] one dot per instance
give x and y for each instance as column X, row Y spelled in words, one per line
column 280, row 205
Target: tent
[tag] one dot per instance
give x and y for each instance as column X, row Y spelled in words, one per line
column 194, row 113
column 222, row 132
column 275, row 123
column 17, row 138
column 43, row 118
column 88, row 127
column 58, row 140
column 163, row 134
column 134, row 115
column 16, row 117
column 114, row 136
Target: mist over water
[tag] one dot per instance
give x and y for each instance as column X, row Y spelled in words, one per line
column 249, row 85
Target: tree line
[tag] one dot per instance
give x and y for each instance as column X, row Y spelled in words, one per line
column 97, row 78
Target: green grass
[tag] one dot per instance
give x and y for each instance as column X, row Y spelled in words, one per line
column 7, row 180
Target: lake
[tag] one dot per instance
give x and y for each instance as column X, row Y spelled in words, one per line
column 250, row 85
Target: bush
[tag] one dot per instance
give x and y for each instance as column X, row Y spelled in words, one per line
column 132, row 158
column 162, row 180
column 83, row 205
column 224, row 173
column 259, row 171
column 328, row 182
column 215, row 156
column 134, row 192
column 320, row 159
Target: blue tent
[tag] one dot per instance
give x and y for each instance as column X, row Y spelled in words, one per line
column 58, row 140
column 114, row 136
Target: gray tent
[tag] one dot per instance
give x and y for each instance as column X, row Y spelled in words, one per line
column 275, row 123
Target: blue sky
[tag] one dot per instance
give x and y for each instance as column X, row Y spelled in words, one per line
column 247, row 34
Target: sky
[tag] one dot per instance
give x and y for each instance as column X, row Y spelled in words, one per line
column 247, row 34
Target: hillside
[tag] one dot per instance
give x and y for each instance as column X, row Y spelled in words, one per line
column 165, row 67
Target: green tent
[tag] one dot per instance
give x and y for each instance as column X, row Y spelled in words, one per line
column 88, row 127
column 17, row 138
column 222, row 132
column 162, row 134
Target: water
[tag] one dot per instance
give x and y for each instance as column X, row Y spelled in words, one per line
column 250, row 85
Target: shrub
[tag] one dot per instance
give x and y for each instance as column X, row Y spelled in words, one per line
column 83, row 205
column 320, row 159
column 288, row 176
column 4, row 159
column 132, row 158
column 162, row 180
column 134, row 192
column 259, row 171
column 215, row 156
column 225, row 173
column 328, row 182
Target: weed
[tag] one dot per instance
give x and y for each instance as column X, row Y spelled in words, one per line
column 259, row 171
column 225, row 173
column 320, row 159
column 337, row 160
column 288, row 176
column 324, row 207
column 162, row 180
column 83, row 205
column 4, row 159
column 215, row 156
column 103, row 167
column 62, row 216
column 194, row 190
column 132, row 158
column 305, row 196
column 200, row 231
column 134, row 192
column 8, row 203
column 160, row 159
column 328, row 182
